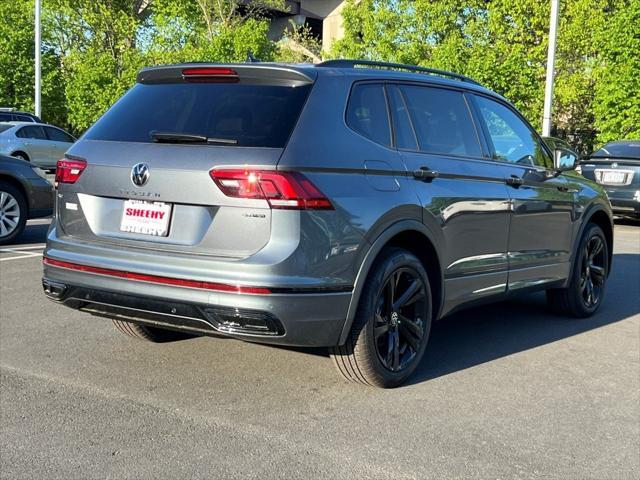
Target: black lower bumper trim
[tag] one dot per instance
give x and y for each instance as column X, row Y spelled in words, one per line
column 202, row 319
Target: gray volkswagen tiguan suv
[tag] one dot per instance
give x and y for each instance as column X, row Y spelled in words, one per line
column 346, row 205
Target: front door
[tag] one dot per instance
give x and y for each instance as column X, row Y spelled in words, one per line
column 542, row 203
column 463, row 192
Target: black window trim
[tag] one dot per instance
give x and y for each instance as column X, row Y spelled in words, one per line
column 389, row 124
column 489, row 141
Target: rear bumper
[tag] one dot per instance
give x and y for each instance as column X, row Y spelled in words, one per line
column 625, row 200
column 296, row 319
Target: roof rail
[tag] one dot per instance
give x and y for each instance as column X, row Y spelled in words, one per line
column 343, row 63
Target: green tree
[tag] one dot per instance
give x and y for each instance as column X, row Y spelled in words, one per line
column 617, row 92
column 17, row 67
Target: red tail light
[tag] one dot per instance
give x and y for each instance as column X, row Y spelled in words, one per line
column 68, row 171
column 210, row 75
column 284, row 190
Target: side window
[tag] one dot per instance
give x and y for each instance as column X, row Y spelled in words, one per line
column 58, row 135
column 367, row 112
column 23, row 118
column 402, row 129
column 5, row 117
column 513, row 141
column 32, row 132
column 442, row 121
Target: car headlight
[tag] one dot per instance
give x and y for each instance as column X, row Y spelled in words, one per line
column 38, row 171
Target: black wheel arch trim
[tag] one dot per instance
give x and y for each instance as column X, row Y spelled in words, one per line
column 588, row 214
column 369, row 258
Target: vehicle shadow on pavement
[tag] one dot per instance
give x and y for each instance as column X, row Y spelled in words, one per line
column 478, row 335
column 33, row 234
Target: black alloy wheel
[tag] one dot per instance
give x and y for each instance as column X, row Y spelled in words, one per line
column 593, row 271
column 399, row 328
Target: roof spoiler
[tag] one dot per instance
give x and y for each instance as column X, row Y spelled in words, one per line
column 247, row 73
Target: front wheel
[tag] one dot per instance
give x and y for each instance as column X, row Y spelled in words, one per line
column 391, row 328
column 585, row 292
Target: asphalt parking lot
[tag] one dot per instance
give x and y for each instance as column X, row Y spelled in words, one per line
column 505, row 391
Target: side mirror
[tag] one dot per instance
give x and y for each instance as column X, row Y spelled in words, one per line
column 564, row 159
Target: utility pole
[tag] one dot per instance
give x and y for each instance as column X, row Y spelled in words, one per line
column 551, row 58
column 38, row 48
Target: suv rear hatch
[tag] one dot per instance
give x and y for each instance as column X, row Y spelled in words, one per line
column 141, row 176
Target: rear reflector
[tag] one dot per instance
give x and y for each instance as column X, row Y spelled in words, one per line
column 177, row 282
column 68, row 171
column 210, row 75
column 283, row 190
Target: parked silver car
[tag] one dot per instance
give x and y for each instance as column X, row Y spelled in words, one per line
column 39, row 143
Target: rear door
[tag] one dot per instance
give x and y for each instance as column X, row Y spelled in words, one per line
column 59, row 143
column 143, row 150
column 35, row 144
column 463, row 192
column 542, row 222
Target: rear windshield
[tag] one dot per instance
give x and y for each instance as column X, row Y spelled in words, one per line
column 250, row 115
column 627, row 150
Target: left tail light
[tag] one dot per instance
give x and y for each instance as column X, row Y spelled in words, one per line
column 282, row 190
column 68, row 171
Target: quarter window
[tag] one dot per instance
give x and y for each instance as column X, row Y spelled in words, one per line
column 513, row 141
column 367, row 113
column 442, row 121
column 58, row 135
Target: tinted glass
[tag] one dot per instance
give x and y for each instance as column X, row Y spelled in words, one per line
column 402, row 128
column 253, row 115
column 23, row 118
column 58, row 135
column 31, row 132
column 5, row 117
column 442, row 121
column 367, row 113
column 5, row 127
column 629, row 150
column 513, row 140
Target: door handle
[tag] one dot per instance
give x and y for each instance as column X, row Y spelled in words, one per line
column 425, row 174
column 563, row 188
column 514, row 181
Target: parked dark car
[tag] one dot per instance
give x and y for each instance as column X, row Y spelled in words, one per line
column 12, row 115
column 616, row 166
column 24, row 193
column 319, row 205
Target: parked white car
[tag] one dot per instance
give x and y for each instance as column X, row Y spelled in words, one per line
column 39, row 143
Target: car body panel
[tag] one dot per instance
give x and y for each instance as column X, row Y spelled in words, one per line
column 38, row 191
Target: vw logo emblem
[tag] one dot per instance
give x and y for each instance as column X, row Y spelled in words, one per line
column 614, row 165
column 140, row 174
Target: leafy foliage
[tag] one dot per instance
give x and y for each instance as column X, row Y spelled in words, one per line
column 93, row 49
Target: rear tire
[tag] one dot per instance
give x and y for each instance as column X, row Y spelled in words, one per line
column 585, row 292
column 150, row 334
column 13, row 213
column 391, row 327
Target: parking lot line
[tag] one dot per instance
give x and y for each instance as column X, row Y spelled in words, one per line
column 21, row 252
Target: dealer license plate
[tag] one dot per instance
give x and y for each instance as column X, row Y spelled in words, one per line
column 148, row 218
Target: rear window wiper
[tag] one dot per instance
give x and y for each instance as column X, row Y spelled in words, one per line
column 177, row 137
